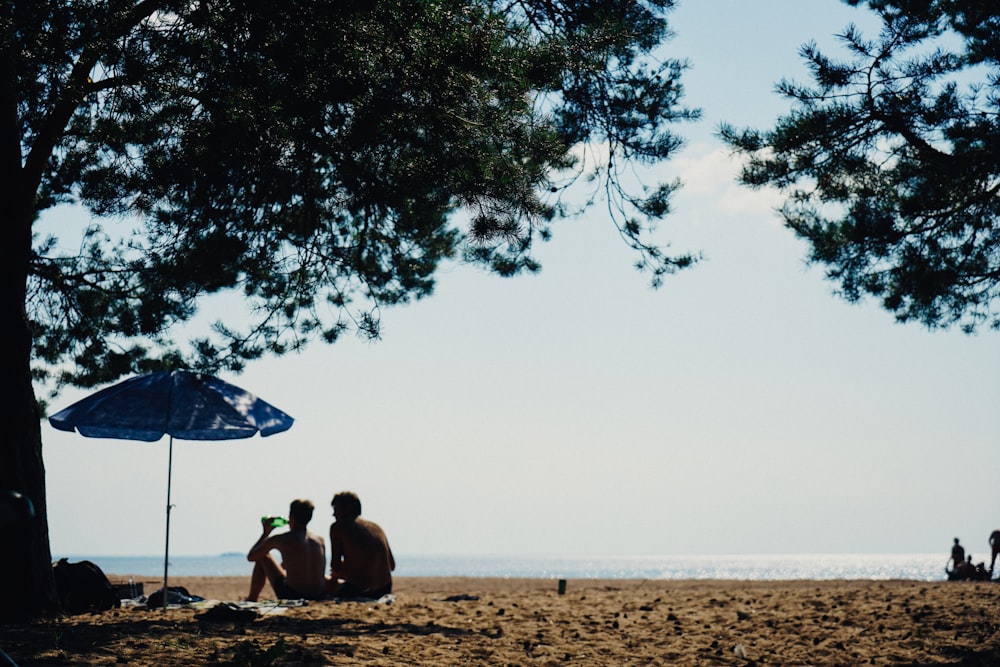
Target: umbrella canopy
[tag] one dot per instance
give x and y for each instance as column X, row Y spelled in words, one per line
column 179, row 403
column 182, row 404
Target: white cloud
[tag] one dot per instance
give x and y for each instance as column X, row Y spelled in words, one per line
column 709, row 177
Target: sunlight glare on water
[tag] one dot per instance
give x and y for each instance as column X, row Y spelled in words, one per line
column 922, row 567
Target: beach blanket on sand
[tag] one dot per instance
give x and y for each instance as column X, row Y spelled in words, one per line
column 243, row 612
column 270, row 607
column 388, row 598
column 247, row 612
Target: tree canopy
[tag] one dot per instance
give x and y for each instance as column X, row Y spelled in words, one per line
column 319, row 159
column 316, row 159
column 890, row 160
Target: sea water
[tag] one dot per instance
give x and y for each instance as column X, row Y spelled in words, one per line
column 922, row 567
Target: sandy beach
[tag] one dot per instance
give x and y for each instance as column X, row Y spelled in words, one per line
column 462, row 621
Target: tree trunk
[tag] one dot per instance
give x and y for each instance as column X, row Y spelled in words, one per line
column 25, row 558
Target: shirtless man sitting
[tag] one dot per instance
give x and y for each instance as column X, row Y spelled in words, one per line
column 361, row 562
column 300, row 575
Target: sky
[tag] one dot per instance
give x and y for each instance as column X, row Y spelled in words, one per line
column 742, row 408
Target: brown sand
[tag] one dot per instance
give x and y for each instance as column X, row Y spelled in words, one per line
column 526, row 622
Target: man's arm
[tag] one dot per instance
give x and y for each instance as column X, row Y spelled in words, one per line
column 263, row 544
column 336, row 553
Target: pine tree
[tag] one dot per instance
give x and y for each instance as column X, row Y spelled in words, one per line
column 316, row 159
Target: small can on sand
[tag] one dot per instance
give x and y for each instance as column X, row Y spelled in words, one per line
column 562, row 587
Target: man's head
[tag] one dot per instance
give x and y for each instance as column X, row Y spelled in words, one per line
column 301, row 511
column 346, row 505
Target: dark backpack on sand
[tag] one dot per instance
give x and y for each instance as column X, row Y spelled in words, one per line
column 83, row 587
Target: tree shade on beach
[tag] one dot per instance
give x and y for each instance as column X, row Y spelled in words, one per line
column 313, row 159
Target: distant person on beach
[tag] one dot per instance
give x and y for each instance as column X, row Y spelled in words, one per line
column 979, row 571
column 968, row 568
column 301, row 573
column 995, row 547
column 361, row 562
column 957, row 555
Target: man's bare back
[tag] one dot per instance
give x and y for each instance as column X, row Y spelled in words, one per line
column 366, row 560
column 303, row 557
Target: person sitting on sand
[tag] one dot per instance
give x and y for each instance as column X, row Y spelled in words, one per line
column 361, row 562
column 300, row 575
column 995, row 547
column 969, row 571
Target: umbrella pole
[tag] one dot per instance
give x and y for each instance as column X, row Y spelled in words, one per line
column 166, row 542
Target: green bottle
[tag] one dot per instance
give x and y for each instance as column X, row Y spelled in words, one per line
column 275, row 521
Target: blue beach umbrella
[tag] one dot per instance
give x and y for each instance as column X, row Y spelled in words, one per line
column 179, row 403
